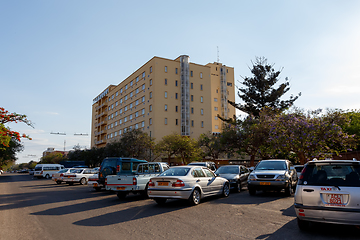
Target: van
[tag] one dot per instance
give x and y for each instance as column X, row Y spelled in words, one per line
column 117, row 166
column 46, row 170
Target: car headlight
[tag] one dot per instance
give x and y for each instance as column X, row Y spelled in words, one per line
column 281, row 178
column 252, row 178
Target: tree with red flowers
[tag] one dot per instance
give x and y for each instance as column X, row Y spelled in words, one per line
column 7, row 136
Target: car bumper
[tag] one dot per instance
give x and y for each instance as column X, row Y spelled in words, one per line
column 268, row 185
column 175, row 194
column 71, row 180
column 335, row 215
column 122, row 188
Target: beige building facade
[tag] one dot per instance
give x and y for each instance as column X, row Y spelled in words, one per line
column 162, row 97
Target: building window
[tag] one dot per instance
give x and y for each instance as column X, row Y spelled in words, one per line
column 215, row 99
column 137, row 102
column 125, row 109
column 176, row 96
column 192, row 110
column 136, row 126
column 165, row 68
column 176, row 108
column 126, row 86
column 201, row 99
column 131, row 83
column 143, row 111
column 165, row 107
column 191, row 73
column 176, row 83
column 202, row 124
column 165, row 81
column 121, row 100
column 150, row 69
column 192, row 98
column 215, row 108
column 120, row 111
column 120, row 132
column 125, row 119
column 176, row 71
column 191, row 85
column 120, row 122
column 137, row 90
column 137, row 79
column 192, row 123
column 150, row 121
column 165, row 94
column 130, row 107
column 136, row 114
column 130, row 117
column 116, row 103
column 216, row 127
column 115, row 134
column 202, row 111
column 125, row 98
column 176, row 122
column 150, row 95
column 143, row 74
column 201, row 87
column 165, row 121
column 131, row 94
column 216, row 118
column 143, row 87
column 150, row 108
column 150, row 82
column 143, row 124
column 116, row 94
column 200, row 75
column 121, row 90
column 143, row 99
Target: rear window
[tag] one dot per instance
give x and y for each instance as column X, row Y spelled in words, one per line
column 346, row 175
column 182, row 171
column 108, row 163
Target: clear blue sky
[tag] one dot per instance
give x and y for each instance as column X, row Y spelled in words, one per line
column 56, row 56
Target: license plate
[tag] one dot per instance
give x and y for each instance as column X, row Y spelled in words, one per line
column 265, row 183
column 335, row 199
column 95, row 184
column 120, row 188
column 163, row 183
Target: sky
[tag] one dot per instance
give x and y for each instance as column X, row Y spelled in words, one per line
column 57, row 56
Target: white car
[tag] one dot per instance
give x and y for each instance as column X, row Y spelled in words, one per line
column 187, row 182
column 78, row 175
column 58, row 176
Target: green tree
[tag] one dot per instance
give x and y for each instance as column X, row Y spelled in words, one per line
column 211, row 145
column 259, row 91
column 137, row 144
column 54, row 157
column 8, row 154
column 353, row 128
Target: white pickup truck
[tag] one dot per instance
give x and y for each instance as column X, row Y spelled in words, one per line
column 135, row 183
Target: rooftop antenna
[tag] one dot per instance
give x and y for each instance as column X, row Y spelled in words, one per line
column 218, row 60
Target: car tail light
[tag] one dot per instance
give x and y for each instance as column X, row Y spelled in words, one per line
column 61, row 175
column 71, row 176
column 117, row 168
column 302, row 173
column 41, row 172
column 52, row 175
column 178, row 183
column 151, row 184
column 134, row 181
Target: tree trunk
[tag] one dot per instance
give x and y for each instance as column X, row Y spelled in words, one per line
column 252, row 161
column 302, row 158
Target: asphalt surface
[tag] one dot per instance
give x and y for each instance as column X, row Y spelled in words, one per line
column 40, row 209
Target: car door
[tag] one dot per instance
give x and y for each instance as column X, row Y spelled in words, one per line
column 215, row 184
column 244, row 174
column 201, row 180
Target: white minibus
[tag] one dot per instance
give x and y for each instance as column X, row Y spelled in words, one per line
column 46, row 170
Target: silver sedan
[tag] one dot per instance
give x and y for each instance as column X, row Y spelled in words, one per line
column 187, row 182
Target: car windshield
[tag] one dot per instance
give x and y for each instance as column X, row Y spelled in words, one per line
column 76, row 170
column 228, row 170
column 271, row 165
column 181, row 171
column 197, row 164
column 62, row 170
column 331, row 175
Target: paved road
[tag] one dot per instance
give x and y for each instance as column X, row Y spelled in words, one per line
column 40, row 209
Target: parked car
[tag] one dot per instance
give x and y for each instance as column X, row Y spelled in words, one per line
column 78, row 175
column 328, row 192
column 298, row 169
column 58, row 176
column 237, row 175
column 187, row 182
column 46, row 170
column 116, row 166
column 209, row 165
column 135, row 183
column 31, row 171
column 274, row 174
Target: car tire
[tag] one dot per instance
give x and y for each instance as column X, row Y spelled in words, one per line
column 121, row 195
column 83, row 181
column 145, row 192
column 58, row 182
column 195, row 197
column 252, row 191
column 288, row 190
column 160, row 201
column 226, row 190
column 47, row 176
column 238, row 187
column 303, row 224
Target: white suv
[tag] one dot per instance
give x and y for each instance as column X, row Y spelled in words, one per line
column 328, row 192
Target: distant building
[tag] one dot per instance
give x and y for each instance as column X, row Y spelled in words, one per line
column 162, row 97
column 52, row 150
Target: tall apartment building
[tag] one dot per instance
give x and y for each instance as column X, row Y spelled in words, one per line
column 162, row 97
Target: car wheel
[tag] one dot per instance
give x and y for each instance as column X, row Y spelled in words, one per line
column 47, row 176
column 303, row 224
column 195, row 197
column 145, row 192
column 58, row 182
column 288, row 190
column 83, row 181
column 160, row 201
column 252, row 191
column 121, row 195
column 226, row 190
column 238, row 187
column 71, row 183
